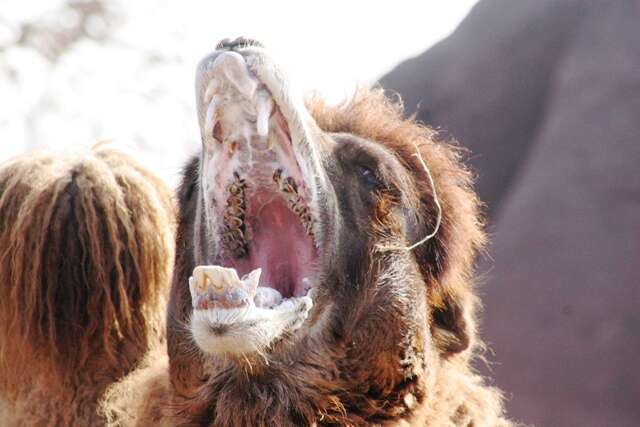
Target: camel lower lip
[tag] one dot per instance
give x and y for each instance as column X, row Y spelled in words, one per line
column 228, row 315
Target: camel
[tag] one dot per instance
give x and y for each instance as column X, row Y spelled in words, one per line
column 324, row 261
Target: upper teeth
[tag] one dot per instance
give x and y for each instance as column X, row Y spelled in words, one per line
column 221, row 110
column 267, row 297
column 234, row 232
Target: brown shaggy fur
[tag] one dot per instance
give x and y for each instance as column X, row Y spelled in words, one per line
column 86, row 246
column 459, row 397
column 370, row 115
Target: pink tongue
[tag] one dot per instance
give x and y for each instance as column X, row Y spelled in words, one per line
column 279, row 245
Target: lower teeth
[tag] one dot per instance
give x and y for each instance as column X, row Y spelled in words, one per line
column 267, row 297
column 206, row 279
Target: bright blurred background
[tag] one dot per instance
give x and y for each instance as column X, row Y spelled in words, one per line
column 73, row 72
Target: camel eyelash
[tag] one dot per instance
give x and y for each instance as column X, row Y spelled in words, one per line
column 369, row 178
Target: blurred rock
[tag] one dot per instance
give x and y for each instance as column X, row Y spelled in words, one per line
column 546, row 94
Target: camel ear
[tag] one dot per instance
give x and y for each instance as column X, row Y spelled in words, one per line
column 451, row 327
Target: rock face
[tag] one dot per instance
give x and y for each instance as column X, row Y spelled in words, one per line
column 546, row 94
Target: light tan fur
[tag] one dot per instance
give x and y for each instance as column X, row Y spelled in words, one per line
column 86, row 248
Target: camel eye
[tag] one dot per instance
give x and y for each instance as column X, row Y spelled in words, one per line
column 369, row 178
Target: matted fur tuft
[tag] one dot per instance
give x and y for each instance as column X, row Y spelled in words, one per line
column 86, row 248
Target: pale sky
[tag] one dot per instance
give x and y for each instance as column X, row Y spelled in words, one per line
column 137, row 87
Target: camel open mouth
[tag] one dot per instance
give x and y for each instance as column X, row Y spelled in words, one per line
column 258, row 200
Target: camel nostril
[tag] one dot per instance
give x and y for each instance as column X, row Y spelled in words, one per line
column 239, row 42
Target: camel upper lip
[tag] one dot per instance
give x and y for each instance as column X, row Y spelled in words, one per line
column 283, row 91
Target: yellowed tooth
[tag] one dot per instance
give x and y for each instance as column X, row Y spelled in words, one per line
column 277, row 175
column 214, row 277
column 236, row 202
column 232, row 148
column 233, row 221
column 218, row 279
column 201, row 284
column 234, row 210
column 290, row 185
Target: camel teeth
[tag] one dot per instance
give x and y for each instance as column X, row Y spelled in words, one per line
column 290, row 185
column 277, row 176
column 240, row 251
column 232, row 148
column 234, row 210
column 236, row 203
column 234, row 221
column 309, row 228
